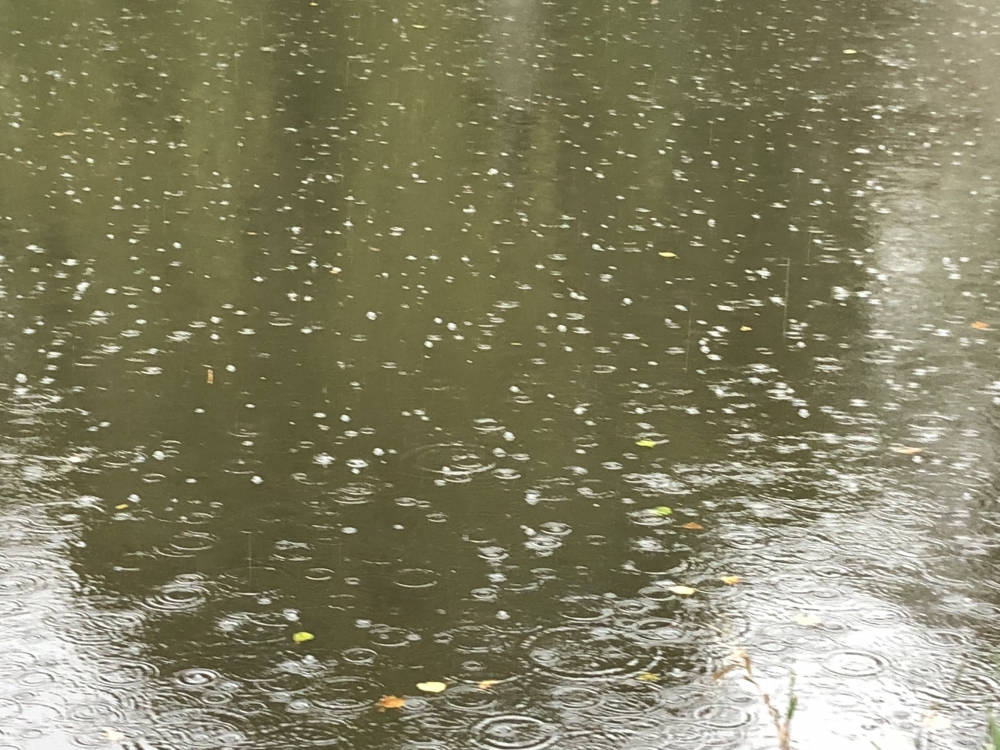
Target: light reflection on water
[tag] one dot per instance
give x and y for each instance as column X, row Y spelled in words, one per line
column 394, row 326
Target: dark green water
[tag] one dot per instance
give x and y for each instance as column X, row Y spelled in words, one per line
column 393, row 324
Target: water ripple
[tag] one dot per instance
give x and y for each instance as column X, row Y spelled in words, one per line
column 582, row 653
column 514, row 732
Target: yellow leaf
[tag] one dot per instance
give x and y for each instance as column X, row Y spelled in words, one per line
column 431, row 687
column 981, row 326
column 730, row 580
column 746, row 328
column 648, row 677
column 113, row 735
column 692, row 525
column 646, row 443
column 668, row 255
column 807, row 621
column 302, row 636
column 850, row 52
column 905, row 450
column 123, row 506
column 682, row 590
column 487, row 684
column 390, row 701
column 663, row 510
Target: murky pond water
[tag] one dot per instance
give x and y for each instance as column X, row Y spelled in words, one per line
column 404, row 325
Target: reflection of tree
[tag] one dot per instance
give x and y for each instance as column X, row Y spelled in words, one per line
column 932, row 212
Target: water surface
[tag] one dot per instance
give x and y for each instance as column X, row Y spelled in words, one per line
column 395, row 324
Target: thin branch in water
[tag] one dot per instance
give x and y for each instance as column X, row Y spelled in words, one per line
column 788, row 274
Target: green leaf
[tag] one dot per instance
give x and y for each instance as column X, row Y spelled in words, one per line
column 793, row 703
column 646, row 443
column 994, row 731
column 663, row 510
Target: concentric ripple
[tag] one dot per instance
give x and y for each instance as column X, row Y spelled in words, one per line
column 415, row 578
column 580, row 653
column 471, row 698
column 177, row 596
column 452, row 463
column 348, row 694
column 855, row 664
column 514, row 732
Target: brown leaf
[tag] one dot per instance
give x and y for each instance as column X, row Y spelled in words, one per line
column 694, row 525
column 390, row 701
column 719, row 674
column 981, row 326
column 487, row 684
column 210, row 376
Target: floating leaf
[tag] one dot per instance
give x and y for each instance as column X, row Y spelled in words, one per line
column 668, row 255
column 807, row 621
column 662, row 510
column 487, row 684
column 302, row 636
column 646, row 443
column 123, row 506
column 937, row 721
column 113, row 735
column 850, row 52
column 746, row 328
column 905, row 450
column 210, row 376
column 730, row 580
column 981, row 326
column 335, row 270
column 718, row 675
column 694, row 525
column 649, row 677
column 390, row 701
column 431, row 687
column 683, row 590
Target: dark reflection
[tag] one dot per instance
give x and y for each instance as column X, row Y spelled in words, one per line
column 460, row 337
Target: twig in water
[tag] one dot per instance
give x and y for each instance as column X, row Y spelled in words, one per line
column 782, row 724
column 249, row 556
column 784, row 323
column 687, row 347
